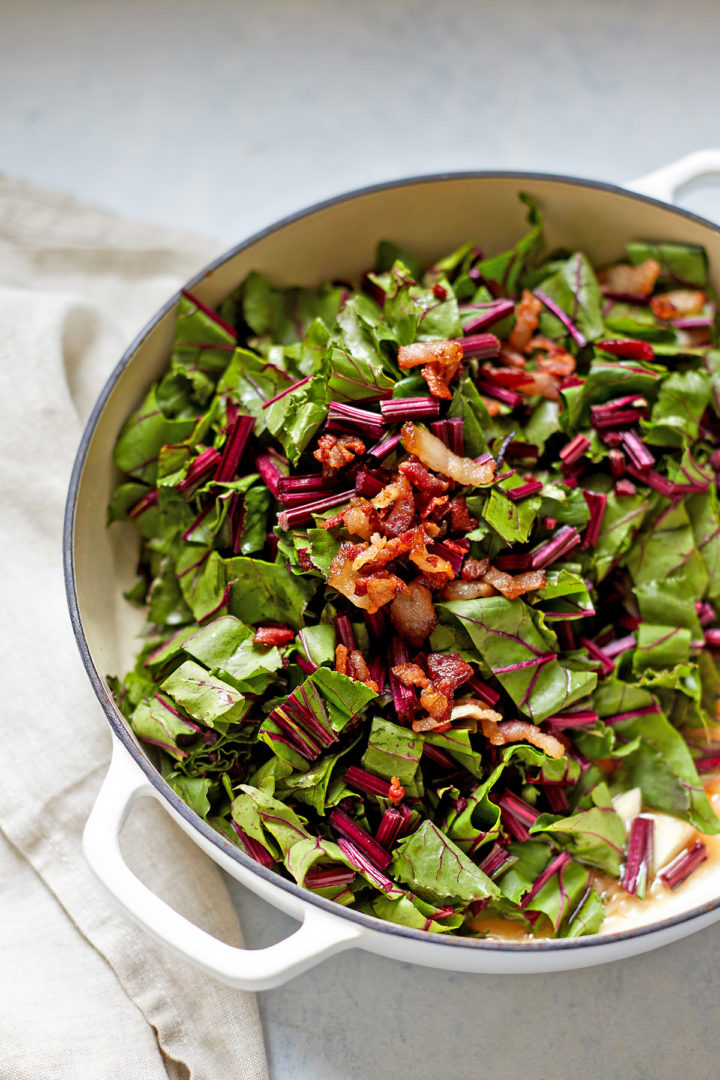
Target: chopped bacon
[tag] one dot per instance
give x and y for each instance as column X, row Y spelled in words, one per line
column 412, row 613
column 351, row 662
column 358, row 670
column 678, row 304
column 635, row 280
column 527, row 315
column 474, row 569
column 273, row 635
column 426, row 724
column 440, row 361
column 367, row 593
column 396, row 794
column 410, row 674
column 694, row 337
column 510, row 378
column 510, row 731
column 542, row 383
column 436, row 703
column 556, row 361
column 398, row 494
column 448, row 670
column 422, row 478
column 511, row 357
column 445, row 673
column 433, row 567
column 381, row 589
column 447, row 353
column 437, row 383
column 336, row 451
column 437, row 456
column 435, row 508
column 332, row 522
column 468, row 590
column 512, row 587
column 460, row 519
column 477, row 710
column 557, row 365
column 360, row 518
column 531, row 579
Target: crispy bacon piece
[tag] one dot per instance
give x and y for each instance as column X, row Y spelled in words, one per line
column 636, row 280
column 413, row 613
column 512, row 587
column 360, row 518
column 468, row 590
column 435, row 508
column 333, row 522
column 474, row 569
column 273, row 635
column 380, row 589
column 438, row 360
column 396, row 794
column 477, row 710
column 382, row 550
column 447, row 353
column 437, row 456
column 436, row 703
column 542, row 383
column 398, row 494
column 460, row 518
column 556, row 361
column 510, row 731
column 351, row 662
column 410, row 674
column 527, row 314
column 445, row 673
column 435, row 569
column 358, row 670
column 510, row 378
column 426, row 724
column 531, row 579
column 422, row 478
column 695, row 336
column 336, row 451
column 368, row 593
column 448, row 671
column 511, row 357
column 678, row 304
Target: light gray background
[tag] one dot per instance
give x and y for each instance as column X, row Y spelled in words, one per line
column 222, row 116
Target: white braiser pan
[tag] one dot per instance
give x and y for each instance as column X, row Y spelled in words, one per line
column 336, row 239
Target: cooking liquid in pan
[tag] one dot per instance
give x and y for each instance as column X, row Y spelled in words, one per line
column 621, row 908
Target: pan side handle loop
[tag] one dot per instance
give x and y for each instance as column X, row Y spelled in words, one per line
column 320, row 935
column 664, row 183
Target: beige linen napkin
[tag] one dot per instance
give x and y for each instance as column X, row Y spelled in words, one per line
column 84, row 993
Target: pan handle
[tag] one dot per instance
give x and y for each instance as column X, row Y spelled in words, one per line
column 663, row 184
column 319, row 936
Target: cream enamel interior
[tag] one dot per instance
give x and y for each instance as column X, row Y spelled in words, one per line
column 429, row 217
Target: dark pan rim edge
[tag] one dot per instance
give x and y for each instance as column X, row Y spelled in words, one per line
column 116, row 722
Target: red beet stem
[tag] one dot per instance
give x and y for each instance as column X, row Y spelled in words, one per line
column 684, row 865
column 302, row 515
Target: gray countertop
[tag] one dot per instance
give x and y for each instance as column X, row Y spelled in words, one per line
column 223, row 116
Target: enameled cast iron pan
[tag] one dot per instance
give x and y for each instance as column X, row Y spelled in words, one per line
column 337, row 239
